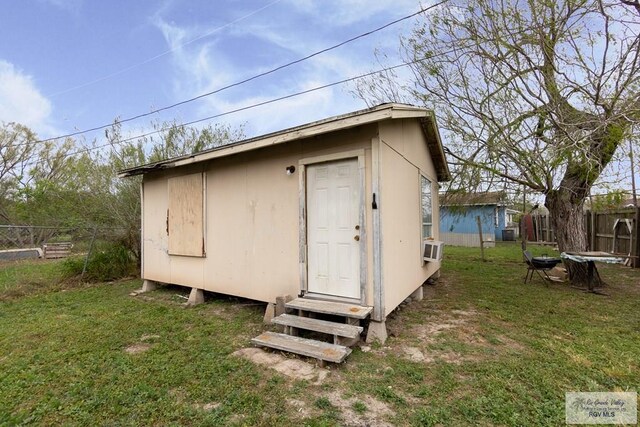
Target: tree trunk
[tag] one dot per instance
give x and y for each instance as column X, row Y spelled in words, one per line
column 567, row 219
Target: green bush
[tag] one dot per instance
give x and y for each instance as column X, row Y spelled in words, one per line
column 72, row 266
column 60, row 238
column 108, row 261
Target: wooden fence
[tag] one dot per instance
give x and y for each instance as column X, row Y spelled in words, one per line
column 610, row 231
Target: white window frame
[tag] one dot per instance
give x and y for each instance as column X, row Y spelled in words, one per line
column 424, row 178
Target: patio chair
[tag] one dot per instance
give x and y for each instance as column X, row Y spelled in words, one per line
column 540, row 265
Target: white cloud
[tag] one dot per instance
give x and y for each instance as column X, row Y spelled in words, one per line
column 21, row 101
column 347, row 12
column 211, row 63
column 198, row 67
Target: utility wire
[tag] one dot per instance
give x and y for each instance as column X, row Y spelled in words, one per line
column 259, row 104
column 166, row 52
column 297, row 61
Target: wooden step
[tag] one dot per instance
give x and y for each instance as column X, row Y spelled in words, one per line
column 329, row 307
column 306, row 347
column 324, row 326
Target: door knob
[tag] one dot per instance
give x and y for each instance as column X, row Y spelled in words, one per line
column 356, row 238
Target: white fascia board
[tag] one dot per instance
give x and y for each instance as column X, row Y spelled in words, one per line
column 293, row 135
column 376, row 114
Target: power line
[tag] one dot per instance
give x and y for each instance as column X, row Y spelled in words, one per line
column 166, row 52
column 259, row 104
column 297, row 61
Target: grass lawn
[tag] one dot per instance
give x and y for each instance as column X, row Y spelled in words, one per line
column 23, row 277
column 482, row 348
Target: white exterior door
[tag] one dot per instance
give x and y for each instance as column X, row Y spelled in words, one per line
column 333, row 232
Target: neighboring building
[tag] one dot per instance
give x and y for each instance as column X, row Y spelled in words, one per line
column 335, row 210
column 459, row 223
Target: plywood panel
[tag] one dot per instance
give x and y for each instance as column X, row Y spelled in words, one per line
column 186, row 215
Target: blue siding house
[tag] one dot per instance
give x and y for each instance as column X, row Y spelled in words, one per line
column 458, row 219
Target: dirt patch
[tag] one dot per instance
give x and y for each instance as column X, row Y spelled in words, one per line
column 300, row 407
column 354, row 411
column 137, row 348
column 428, row 331
column 181, row 397
column 149, row 337
column 294, row 368
column 218, row 311
column 373, row 411
column 453, row 357
column 211, row 406
column 442, row 321
column 416, row 342
column 416, row 355
column 143, row 345
column 465, row 313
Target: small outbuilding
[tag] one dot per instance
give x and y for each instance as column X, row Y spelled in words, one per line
column 334, row 211
column 459, row 215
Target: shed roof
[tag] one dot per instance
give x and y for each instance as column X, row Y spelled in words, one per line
column 473, row 199
column 371, row 115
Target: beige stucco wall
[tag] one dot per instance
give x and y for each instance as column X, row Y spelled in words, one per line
column 403, row 156
column 251, row 226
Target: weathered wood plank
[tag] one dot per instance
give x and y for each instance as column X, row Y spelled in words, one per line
column 330, row 307
column 57, row 250
column 185, row 216
column 305, row 347
column 302, row 226
column 376, row 234
column 324, row 326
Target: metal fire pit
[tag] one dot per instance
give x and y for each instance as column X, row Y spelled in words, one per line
column 545, row 262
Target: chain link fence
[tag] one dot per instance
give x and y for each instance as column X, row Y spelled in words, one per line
column 32, row 241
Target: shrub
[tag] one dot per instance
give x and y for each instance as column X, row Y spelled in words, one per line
column 108, row 261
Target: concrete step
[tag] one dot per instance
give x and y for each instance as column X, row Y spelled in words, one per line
column 305, row 347
column 353, row 311
column 324, row 326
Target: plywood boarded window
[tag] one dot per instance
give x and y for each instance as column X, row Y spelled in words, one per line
column 185, row 221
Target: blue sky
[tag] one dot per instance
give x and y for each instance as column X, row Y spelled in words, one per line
column 68, row 65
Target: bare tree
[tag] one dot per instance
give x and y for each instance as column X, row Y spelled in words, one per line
column 633, row 3
column 539, row 93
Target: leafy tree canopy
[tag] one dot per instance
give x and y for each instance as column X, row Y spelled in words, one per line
column 75, row 184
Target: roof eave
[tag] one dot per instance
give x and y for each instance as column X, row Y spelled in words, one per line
column 434, row 144
column 346, row 121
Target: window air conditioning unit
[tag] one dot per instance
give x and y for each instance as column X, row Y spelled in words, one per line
column 433, row 250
